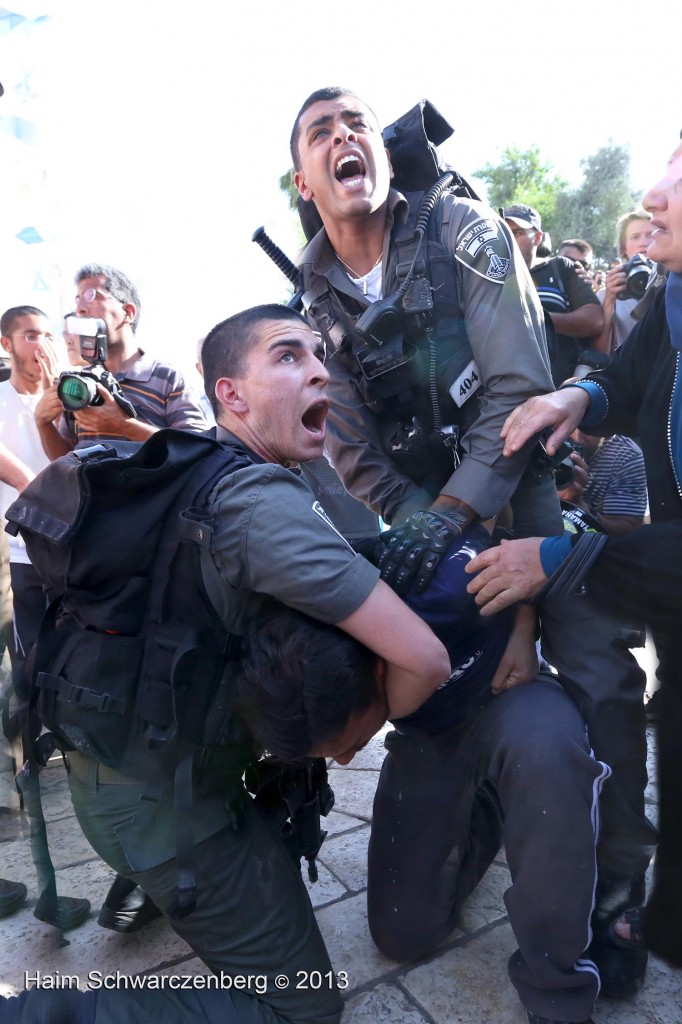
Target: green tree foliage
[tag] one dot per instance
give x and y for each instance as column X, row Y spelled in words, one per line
column 286, row 185
column 523, row 177
column 605, row 193
column 589, row 211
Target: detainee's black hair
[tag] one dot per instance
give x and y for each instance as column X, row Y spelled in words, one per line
column 299, row 681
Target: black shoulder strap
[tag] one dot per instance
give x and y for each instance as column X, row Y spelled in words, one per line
column 57, row 503
column 186, row 520
column 403, row 239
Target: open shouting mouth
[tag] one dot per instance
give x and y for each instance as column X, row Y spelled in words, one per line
column 350, row 170
column 315, row 416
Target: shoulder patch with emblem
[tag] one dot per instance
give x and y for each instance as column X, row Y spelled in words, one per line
column 319, row 511
column 483, row 247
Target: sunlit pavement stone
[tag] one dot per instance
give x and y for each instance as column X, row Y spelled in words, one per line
column 463, row 982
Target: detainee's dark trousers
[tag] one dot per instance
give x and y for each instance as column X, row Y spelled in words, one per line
column 589, row 650
column 519, row 773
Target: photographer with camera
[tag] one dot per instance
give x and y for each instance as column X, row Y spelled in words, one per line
column 607, row 479
column 625, row 283
column 580, row 251
column 115, row 390
column 155, row 393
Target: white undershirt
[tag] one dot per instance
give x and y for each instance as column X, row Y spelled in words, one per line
column 370, row 283
column 19, row 432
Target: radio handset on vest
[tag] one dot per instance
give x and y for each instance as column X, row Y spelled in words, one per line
column 381, row 321
column 398, row 313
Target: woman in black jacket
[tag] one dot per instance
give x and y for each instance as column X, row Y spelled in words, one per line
column 639, row 393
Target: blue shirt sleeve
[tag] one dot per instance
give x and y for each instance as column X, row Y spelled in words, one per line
column 599, row 403
column 553, row 550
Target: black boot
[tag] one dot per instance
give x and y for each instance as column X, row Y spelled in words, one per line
column 64, row 912
column 126, row 908
column 12, row 895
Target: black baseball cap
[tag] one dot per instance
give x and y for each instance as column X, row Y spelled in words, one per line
column 523, row 215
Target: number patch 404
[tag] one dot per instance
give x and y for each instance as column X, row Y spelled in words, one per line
column 467, row 384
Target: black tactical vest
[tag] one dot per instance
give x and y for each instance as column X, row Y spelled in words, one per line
column 402, row 382
column 132, row 662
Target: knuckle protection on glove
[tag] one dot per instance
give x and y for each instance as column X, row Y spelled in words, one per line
column 414, row 550
column 425, row 574
column 403, row 579
column 431, row 560
column 387, row 569
column 414, row 553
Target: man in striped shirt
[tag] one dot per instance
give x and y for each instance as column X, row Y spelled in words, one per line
column 155, row 389
column 609, row 482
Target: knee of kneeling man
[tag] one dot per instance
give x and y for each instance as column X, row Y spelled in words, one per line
column 395, row 941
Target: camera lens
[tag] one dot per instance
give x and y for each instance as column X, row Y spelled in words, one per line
column 638, row 271
column 563, row 474
column 76, row 392
column 638, row 279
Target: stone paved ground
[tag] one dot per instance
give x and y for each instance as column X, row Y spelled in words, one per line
column 464, row 982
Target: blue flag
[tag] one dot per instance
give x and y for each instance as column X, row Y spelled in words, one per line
column 30, row 236
column 20, row 128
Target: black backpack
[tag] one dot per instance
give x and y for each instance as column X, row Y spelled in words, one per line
column 132, row 663
column 129, row 667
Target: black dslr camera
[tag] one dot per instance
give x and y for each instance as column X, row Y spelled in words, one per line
column 638, row 272
column 78, row 388
column 563, row 469
column 561, row 464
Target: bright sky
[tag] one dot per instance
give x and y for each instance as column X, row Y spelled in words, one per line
column 164, row 127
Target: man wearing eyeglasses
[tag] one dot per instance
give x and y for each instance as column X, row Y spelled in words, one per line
column 564, row 294
column 155, row 389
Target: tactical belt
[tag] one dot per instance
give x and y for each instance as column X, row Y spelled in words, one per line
column 81, row 766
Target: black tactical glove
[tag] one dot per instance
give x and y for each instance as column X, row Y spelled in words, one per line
column 413, row 550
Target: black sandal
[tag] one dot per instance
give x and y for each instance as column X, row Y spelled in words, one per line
column 633, row 919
